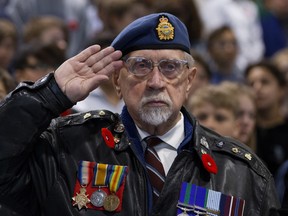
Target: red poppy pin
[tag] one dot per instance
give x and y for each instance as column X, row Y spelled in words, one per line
column 108, row 137
column 209, row 163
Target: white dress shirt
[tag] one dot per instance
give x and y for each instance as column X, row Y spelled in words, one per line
column 167, row 151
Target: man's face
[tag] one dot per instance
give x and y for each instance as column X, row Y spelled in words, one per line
column 154, row 99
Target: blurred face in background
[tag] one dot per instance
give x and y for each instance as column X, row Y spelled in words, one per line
column 246, row 118
column 219, row 119
column 8, row 42
column 54, row 35
column 7, row 51
column 224, row 48
column 32, row 71
column 266, row 87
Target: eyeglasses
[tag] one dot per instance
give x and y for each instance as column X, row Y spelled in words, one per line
column 140, row 66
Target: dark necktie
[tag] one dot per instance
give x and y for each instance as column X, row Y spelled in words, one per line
column 154, row 166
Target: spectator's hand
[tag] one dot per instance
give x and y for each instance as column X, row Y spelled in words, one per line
column 81, row 74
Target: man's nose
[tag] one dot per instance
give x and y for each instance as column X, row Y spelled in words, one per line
column 156, row 78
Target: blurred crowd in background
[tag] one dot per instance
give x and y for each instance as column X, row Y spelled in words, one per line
column 239, row 47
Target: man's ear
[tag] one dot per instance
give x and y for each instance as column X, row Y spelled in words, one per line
column 116, row 82
column 190, row 78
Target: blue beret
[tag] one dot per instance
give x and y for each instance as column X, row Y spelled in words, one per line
column 154, row 31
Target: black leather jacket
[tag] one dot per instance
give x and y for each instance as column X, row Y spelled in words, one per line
column 38, row 166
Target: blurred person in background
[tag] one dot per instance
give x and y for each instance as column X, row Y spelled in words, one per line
column 188, row 13
column 215, row 109
column 116, row 14
column 73, row 13
column 7, row 83
column 35, row 60
column 274, row 23
column 47, row 30
column 246, row 114
column 222, row 51
column 280, row 59
column 269, row 86
column 243, row 17
column 8, row 43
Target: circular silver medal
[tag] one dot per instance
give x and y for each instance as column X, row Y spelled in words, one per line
column 98, row 197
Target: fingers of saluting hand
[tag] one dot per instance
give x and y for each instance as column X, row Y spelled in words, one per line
column 101, row 63
column 86, row 71
column 97, row 61
column 94, row 55
column 103, row 70
column 85, row 54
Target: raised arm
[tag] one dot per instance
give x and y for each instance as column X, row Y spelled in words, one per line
column 27, row 112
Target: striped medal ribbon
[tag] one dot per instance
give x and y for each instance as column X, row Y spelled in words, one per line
column 195, row 200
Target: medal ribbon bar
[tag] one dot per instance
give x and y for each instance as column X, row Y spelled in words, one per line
column 84, row 173
column 101, row 175
column 117, row 174
column 196, row 200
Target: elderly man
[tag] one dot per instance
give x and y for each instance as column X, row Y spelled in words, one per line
column 153, row 159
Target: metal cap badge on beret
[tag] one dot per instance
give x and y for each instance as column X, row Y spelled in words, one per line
column 154, row 31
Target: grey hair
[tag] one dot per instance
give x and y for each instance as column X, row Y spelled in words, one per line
column 189, row 59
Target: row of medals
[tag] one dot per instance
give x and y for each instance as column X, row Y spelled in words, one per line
column 98, row 198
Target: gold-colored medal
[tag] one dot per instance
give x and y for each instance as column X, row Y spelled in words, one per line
column 111, row 202
column 81, row 199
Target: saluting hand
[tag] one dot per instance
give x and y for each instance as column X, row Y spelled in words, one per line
column 81, row 74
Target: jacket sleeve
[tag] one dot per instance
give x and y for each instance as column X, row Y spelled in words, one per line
column 25, row 114
column 271, row 203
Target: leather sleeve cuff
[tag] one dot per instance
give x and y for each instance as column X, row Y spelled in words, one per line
column 47, row 91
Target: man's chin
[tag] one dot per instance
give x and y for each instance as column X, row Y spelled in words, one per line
column 155, row 116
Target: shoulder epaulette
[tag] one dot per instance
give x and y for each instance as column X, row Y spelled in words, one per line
column 80, row 118
column 208, row 141
column 241, row 151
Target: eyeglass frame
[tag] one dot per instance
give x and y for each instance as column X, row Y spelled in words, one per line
column 182, row 64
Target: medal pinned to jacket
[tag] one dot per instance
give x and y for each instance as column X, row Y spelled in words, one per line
column 99, row 186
